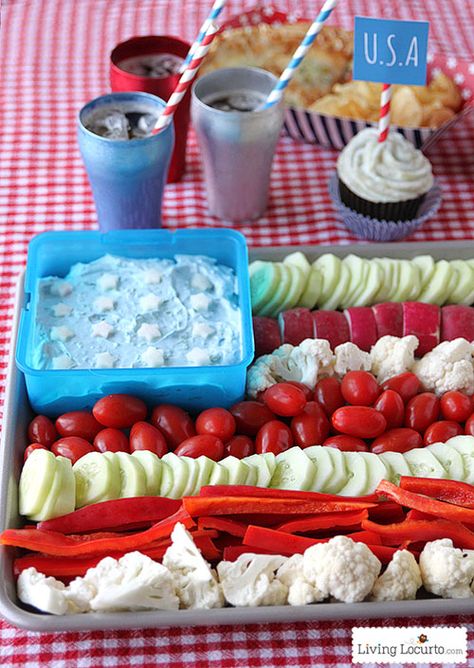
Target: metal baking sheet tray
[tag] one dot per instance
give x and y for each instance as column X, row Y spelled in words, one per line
column 16, row 415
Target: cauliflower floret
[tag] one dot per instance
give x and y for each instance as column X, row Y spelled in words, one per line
column 341, row 568
column 196, row 581
column 392, row 355
column 447, row 571
column 133, row 582
column 400, row 581
column 447, row 367
column 350, row 357
column 44, row 593
column 300, row 591
column 304, row 363
column 250, row 580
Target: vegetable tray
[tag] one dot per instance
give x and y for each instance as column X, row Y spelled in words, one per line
column 16, row 416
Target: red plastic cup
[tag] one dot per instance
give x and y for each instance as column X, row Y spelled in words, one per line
column 121, row 80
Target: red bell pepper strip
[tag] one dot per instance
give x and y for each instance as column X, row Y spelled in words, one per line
column 425, row 504
column 135, row 511
column 197, row 506
column 326, row 521
column 264, row 492
column 387, row 512
column 50, row 542
column 452, row 491
column 232, row 527
column 417, row 515
column 422, row 530
column 367, row 537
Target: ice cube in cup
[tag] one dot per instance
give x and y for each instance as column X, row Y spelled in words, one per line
column 238, row 100
column 122, row 123
column 157, row 65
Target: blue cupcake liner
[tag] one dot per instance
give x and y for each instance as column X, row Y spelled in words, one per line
column 383, row 230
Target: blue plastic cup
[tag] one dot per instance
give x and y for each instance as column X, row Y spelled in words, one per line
column 127, row 177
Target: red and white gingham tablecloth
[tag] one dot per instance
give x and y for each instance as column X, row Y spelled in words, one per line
column 54, row 58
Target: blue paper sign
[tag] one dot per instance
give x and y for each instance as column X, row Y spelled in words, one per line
column 388, row 51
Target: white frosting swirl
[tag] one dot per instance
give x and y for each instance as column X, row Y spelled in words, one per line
column 389, row 171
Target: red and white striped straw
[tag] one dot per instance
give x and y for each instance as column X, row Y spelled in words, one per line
column 185, row 81
column 384, row 120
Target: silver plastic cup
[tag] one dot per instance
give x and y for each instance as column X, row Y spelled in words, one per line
column 237, row 147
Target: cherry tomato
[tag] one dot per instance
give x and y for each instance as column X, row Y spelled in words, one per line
column 285, row 399
column 144, row 436
column 111, row 440
column 240, row 447
column 42, row 430
column 346, row 443
column 78, row 423
column 31, row 448
column 250, row 416
column 359, row 421
column 328, row 393
column 72, row 447
column 440, row 432
column 202, row 444
column 469, row 426
column 216, row 422
column 304, row 388
column 119, row 410
column 401, row 439
column 311, row 426
column 407, row 385
column 174, row 423
column 455, row 406
column 421, row 411
column 390, row 404
column 274, row 436
column 359, row 388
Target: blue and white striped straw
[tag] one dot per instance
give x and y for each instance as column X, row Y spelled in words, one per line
column 314, row 30
column 216, row 9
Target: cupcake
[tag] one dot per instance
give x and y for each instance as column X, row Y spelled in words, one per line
column 386, row 181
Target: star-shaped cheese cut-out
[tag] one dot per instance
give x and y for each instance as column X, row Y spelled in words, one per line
column 60, row 288
column 150, row 302
column 200, row 301
column 153, row 357
column 198, row 357
column 200, row 282
column 149, row 332
column 61, row 333
column 152, row 276
column 102, row 328
column 102, row 304
column 107, row 282
column 63, row 362
column 60, row 310
column 202, row 329
column 104, row 361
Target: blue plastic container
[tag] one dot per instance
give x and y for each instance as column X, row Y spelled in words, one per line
column 55, row 391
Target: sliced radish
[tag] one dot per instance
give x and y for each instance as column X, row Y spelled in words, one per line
column 266, row 334
column 296, row 325
column 389, row 319
column 423, row 321
column 362, row 327
column 332, row 326
column 457, row 321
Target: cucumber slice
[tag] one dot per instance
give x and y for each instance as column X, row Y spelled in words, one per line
column 423, row 464
column 312, row 291
column 151, row 464
column 36, row 479
column 435, row 291
column 358, row 479
column 167, row 479
column 408, row 274
column 465, row 446
column 264, row 469
column 416, row 285
column 297, row 284
column 376, row 470
column 330, row 267
column 66, row 501
column 237, row 470
column 97, row 479
column 372, row 286
column 264, row 281
column 219, row 475
column 463, row 292
column 449, row 458
column 340, row 290
column 179, row 468
column 323, row 463
column 298, row 259
column 271, row 462
column 386, row 267
column 358, row 269
column 426, row 265
column 46, row 511
column 395, row 268
column 396, row 466
column 193, row 471
column 340, row 474
column 294, row 470
column 273, row 307
column 204, row 472
column 252, row 475
column 132, row 475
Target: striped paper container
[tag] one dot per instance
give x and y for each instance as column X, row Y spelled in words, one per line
column 336, row 132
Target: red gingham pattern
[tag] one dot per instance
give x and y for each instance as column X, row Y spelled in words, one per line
column 54, row 58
